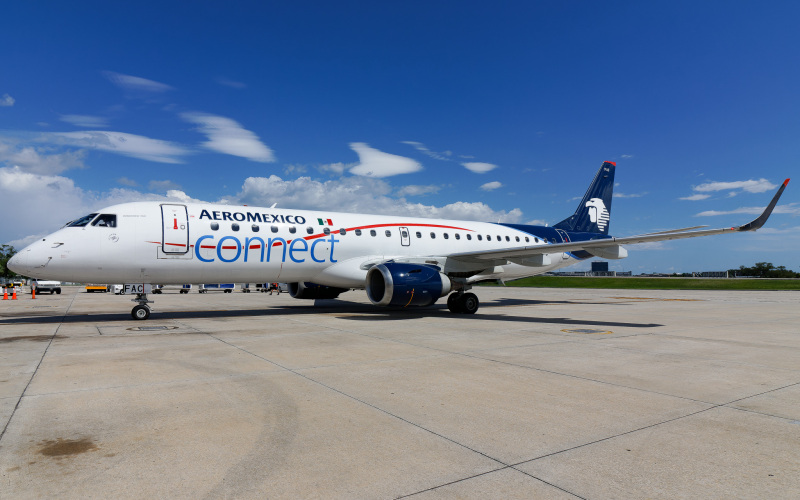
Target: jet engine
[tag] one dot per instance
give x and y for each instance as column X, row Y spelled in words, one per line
column 314, row 291
column 404, row 284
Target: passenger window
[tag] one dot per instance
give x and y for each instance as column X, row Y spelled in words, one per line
column 106, row 220
column 372, row 232
column 292, row 229
column 82, row 221
column 517, row 238
column 469, row 236
column 446, row 236
column 488, row 237
column 433, row 235
column 235, row 226
column 419, row 235
column 358, row 232
column 310, row 230
column 480, row 238
column 388, row 233
column 342, row 231
column 274, row 229
column 458, row 236
column 326, row 230
column 509, row 239
column 214, row 226
column 255, row 228
column 404, row 234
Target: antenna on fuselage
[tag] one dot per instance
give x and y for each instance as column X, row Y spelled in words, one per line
column 274, row 205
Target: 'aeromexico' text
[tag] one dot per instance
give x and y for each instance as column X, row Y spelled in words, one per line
column 252, row 217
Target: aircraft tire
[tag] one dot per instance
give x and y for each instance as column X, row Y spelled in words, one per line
column 140, row 312
column 453, row 303
column 469, row 303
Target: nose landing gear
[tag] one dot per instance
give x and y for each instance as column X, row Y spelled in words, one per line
column 141, row 311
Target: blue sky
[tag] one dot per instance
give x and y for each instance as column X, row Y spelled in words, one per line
column 462, row 110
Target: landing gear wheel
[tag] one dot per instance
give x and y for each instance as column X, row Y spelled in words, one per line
column 140, row 312
column 469, row 303
column 454, row 303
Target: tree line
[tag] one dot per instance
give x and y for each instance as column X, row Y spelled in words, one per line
column 763, row 270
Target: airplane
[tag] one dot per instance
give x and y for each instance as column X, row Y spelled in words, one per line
column 400, row 261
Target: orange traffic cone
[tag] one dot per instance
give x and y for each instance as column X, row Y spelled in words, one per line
column 5, row 293
column 33, row 292
column 14, row 295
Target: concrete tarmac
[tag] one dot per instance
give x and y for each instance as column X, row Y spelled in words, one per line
column 544, row 393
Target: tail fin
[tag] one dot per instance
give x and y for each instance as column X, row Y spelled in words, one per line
column 594, row 212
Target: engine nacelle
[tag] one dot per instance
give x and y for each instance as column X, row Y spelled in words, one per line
column 314, row 291
column 404, row 284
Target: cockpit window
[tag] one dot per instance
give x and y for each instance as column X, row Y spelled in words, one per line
column 82, row 221
column 106, row 220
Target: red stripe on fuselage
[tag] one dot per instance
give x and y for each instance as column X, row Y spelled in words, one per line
column 322, row 235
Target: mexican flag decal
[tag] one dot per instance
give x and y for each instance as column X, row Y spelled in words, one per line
column 323, row 222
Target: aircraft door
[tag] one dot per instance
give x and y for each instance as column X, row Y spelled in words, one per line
column 405, row 237
column 563, row 234
column 174, row 229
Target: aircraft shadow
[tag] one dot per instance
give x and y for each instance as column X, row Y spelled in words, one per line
column 353, row 311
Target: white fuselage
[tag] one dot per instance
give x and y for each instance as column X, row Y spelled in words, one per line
column 167, row 243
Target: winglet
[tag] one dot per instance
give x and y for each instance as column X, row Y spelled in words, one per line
column 757, row 223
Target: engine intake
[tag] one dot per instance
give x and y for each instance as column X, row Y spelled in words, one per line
column 403, row 284
column 314, row 291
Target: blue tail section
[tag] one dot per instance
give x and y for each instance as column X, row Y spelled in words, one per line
column 594, row 212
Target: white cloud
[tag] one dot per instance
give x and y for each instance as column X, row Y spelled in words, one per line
column 417, row 190
column 623, row 195
column 357, row 194
column 135, row 83
column 491, row 186
column 40, row 160
column 336, row 168
column 228, row 137
column 127, row 182
column 479, row 167
column 445, row 155
column 6, row 101
column 231, row 83
column 751, row 186
column 121, row 143
column 165, row 185
column 696, row 197
column 626, row 156
column 85, row 121
column 374, row 163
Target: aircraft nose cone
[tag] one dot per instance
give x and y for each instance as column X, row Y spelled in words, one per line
column 19, row 262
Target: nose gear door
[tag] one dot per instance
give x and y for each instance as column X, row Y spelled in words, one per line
column 174, row 229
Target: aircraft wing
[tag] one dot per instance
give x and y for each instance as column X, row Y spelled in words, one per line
column 610, row 245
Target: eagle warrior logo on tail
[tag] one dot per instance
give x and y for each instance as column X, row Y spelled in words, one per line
column 598, row 213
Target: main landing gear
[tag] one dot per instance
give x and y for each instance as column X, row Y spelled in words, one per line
column 463, row 303
column 141, row 311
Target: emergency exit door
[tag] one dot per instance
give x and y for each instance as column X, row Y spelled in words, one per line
column 405, row 238
column 174, row 229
